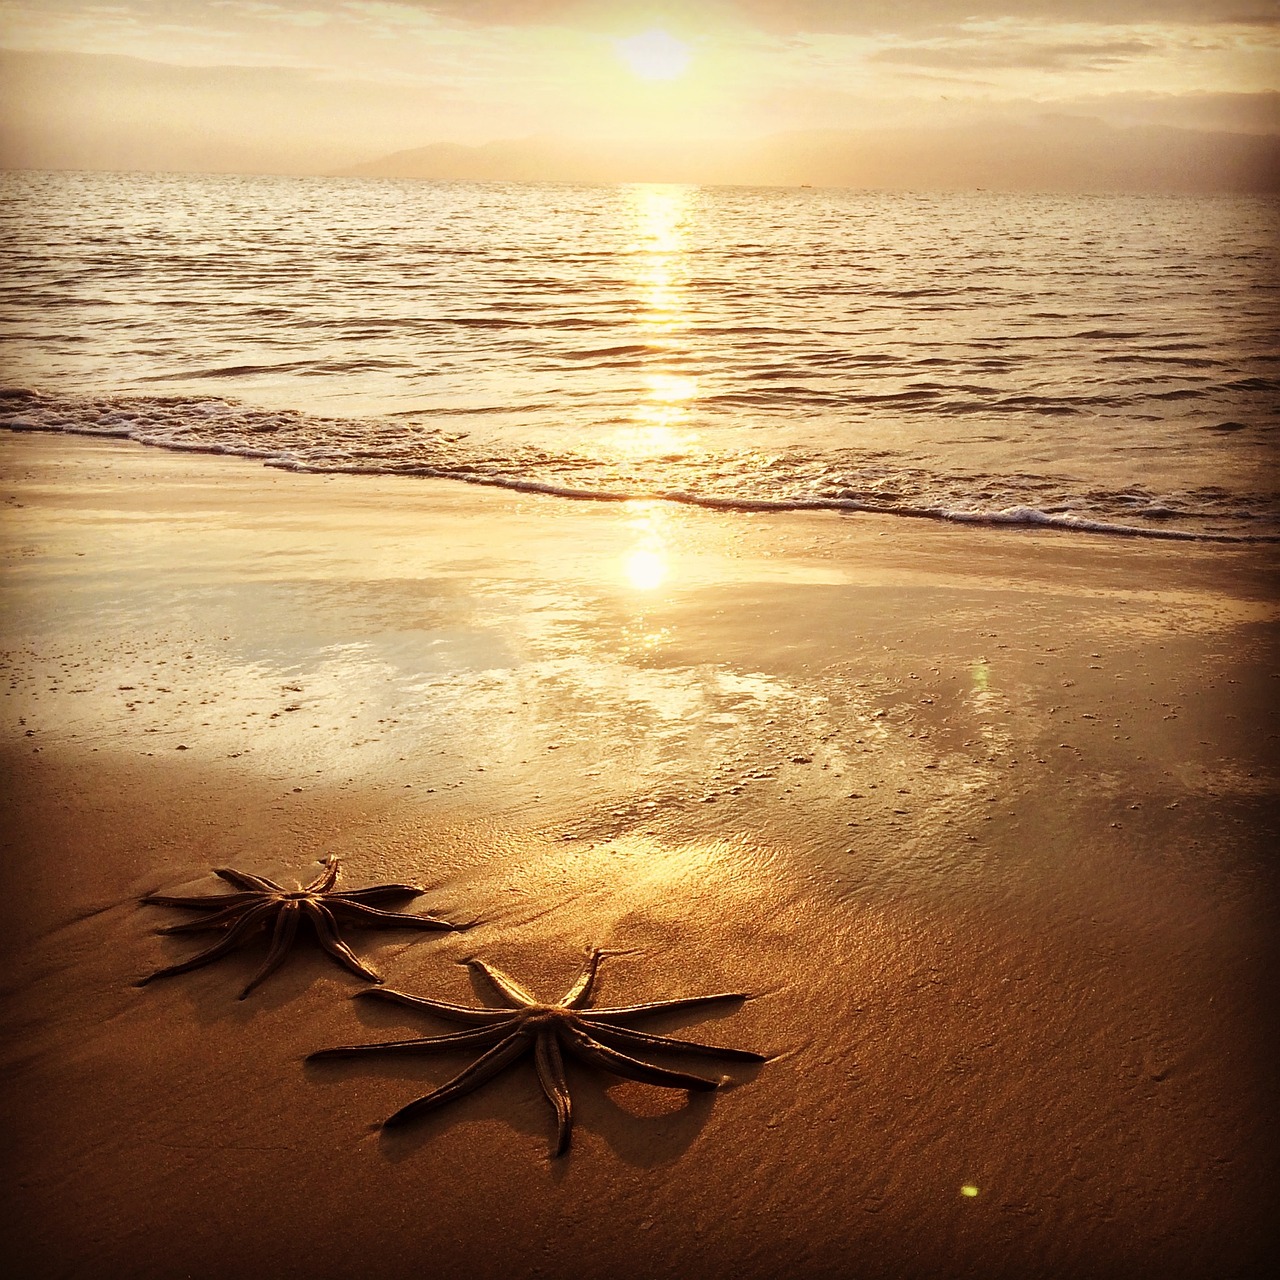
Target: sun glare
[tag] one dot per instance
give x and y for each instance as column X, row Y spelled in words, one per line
column 654, row 55
column 645, row 566
column 646, row 569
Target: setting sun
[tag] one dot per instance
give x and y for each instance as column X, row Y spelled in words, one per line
column 654, row 55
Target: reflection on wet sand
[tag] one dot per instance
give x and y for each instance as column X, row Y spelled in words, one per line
column 646, row 565
column 1003, row 937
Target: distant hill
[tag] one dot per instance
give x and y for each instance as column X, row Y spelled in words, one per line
column 1053, row 153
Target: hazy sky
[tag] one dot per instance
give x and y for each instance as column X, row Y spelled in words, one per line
column 297, row 86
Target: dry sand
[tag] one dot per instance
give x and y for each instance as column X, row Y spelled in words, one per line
column 984, row 822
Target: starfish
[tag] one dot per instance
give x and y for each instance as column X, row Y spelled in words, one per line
column 548, row 1031
column 261, row 902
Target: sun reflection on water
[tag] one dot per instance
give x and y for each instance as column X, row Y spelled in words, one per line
column 659, row 426
column 667, row 389
column 659, row 220
column 661, row 419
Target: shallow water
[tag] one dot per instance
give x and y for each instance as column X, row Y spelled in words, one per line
column 1108, row 363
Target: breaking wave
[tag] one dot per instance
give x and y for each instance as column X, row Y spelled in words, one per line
column 839, row 481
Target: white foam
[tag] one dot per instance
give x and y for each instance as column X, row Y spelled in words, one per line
column 356, row 446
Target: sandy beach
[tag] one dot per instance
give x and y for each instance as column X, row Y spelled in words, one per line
column 983, row 823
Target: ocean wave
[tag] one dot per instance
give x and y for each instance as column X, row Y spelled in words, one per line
column 292, row 440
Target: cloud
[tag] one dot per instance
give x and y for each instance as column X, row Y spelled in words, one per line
column 987, row 55
column 506, row 12
column 849, row 16
column 778, row 17
column 1236, row 113
column 872, row 16
column 21, row 72
column 107, row 111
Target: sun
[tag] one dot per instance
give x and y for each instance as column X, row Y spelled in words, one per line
column 654, row 55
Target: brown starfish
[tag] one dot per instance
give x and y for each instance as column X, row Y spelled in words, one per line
column 548, row 1031
column 262, row 902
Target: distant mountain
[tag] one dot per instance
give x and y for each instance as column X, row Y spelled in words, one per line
column 1052, row 153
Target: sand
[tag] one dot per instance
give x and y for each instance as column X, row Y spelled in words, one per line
column 983, row 821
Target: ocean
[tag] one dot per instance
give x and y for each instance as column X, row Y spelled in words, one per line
column 1101, row 363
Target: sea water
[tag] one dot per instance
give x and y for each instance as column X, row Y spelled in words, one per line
column 1107, row 363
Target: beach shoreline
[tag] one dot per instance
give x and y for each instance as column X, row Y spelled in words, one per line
column 980, row 819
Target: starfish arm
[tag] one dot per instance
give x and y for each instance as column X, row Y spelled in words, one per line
column 550, row 1064
column 583, row 1046
column 374, row 916
column 663, row 1006
column 455, row 1040
column 216, row 921
column 205, row 902
column 580, row 992
column 621, row 1037
column 282, row 937
column 519, row 996
column 483, row 1068
column 328, row 937
column 450, row 1012
column 243, row 880
column 327, row 878
column 233, row 938
column 377, row 892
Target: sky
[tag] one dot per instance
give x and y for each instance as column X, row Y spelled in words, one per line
column 279, row 86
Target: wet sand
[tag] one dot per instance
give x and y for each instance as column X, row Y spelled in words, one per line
column 984, row 822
